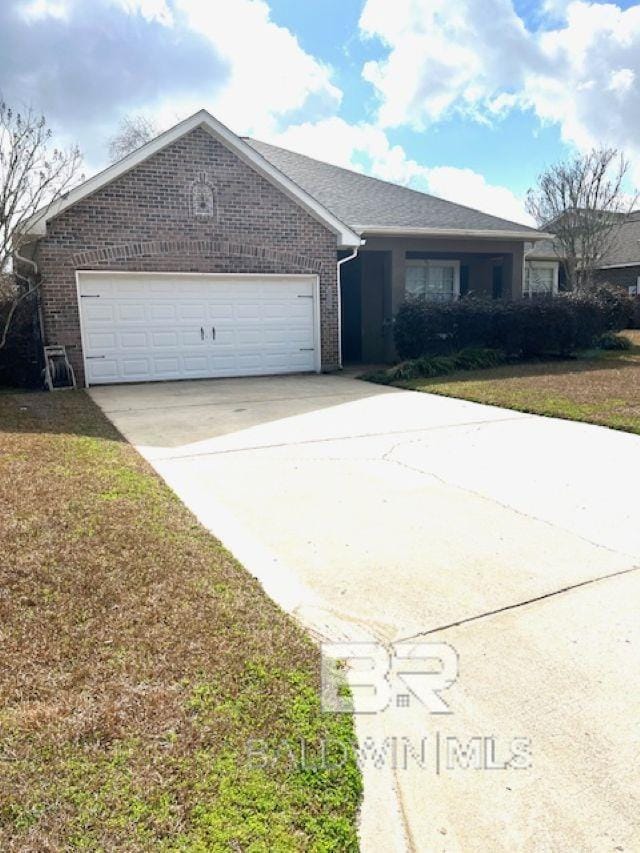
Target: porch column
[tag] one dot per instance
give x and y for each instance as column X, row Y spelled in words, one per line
column 397, row 278
column 513, row 273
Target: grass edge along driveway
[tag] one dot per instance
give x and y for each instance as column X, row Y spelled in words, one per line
column 598, row 387
column 153, row 697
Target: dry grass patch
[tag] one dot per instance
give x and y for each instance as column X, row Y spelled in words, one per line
column 139, row 663
column 600, row 388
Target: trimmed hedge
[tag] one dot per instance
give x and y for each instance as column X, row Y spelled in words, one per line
column 519, row 328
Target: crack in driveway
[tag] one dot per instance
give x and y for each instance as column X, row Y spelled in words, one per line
column 328, row 439
column 386, row 457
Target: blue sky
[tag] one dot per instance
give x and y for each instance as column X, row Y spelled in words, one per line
column 468, row 100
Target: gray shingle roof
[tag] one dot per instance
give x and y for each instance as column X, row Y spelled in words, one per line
column 544, row 249
column 624, row 250
column 363, row 202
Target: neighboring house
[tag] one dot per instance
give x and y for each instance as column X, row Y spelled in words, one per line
column 204, row 254
column 620, row 265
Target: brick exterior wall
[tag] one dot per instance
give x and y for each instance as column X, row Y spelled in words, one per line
column 144, row 221
column 622, row 276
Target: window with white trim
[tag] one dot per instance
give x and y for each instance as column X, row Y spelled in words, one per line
column 540, row 279
column 433, row 280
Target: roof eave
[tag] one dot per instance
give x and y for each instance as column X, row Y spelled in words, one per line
column 393, row 230
column 624, row 265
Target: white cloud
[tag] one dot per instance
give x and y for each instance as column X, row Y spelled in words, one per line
column 442, row 55
column 593, row 94
column 270, row 74
column 581, row 70
column 467, row 187
column 151, row 10
column 45, row 9
column 163, row 58
column 366, row 148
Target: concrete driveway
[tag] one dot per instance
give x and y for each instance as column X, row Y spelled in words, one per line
column 377, row 514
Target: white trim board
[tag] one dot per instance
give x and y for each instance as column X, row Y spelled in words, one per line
column 346, row 237
column 409, row 231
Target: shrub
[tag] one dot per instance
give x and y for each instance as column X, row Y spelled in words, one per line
column 438, row 365
column 520, row 328
column 616, row 304
column 611, row 341
column 21, row 360
column 634, row 319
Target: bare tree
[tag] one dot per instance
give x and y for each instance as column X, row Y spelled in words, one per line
column 582, row 202
column 33, row 176
column 132, row 133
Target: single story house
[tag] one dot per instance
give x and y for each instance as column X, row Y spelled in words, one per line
column 203, row 254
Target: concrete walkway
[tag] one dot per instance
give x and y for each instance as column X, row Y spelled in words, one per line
column 377, row 514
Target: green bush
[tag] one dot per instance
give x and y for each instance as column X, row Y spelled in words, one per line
column 611, row 341
column 634, row 319
column 616, row 304
column 438, row 365
column 520, row 328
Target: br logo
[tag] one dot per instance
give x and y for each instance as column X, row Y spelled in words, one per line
column 367, row 678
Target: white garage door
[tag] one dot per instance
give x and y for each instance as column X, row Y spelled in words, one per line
column 146, row 326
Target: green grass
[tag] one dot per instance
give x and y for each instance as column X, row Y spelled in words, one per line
column 599, row 387
column 152, row 696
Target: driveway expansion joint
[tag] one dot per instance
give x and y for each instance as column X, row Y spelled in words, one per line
column 556, row 592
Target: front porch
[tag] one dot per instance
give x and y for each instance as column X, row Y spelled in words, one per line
column 375, row 284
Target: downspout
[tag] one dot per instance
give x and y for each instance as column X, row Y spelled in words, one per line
column 350, row 257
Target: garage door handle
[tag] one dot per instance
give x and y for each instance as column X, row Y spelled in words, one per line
column 201, row 333
column 213, row 333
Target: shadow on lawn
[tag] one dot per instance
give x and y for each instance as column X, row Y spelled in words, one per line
column 56, row 413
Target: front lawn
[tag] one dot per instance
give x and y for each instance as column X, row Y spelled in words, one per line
column 600, row 388
column 152, row 697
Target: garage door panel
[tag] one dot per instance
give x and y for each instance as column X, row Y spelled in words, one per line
column 165, row 339
column 103, row 370
column 167, row 365
column 247, row 311
column 98, row 312
column 162, row 311
column 134, row 340
column 136, row 367
column 195, row 363
column 101, row 341
column 192, row 311
column 128, row 312
column 154, row 326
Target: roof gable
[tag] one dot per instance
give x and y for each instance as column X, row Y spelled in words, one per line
column 345, row 235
